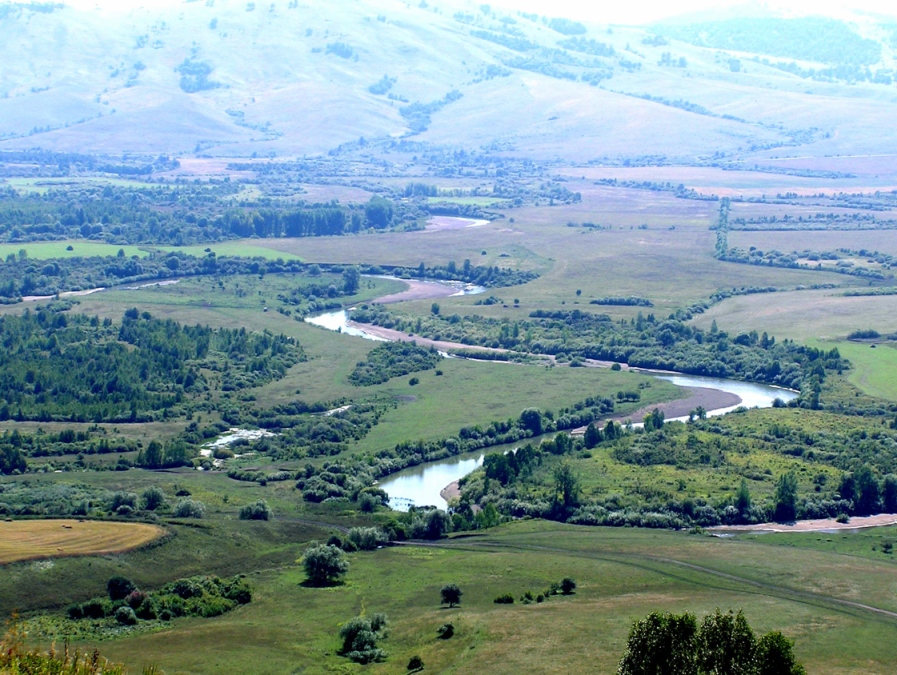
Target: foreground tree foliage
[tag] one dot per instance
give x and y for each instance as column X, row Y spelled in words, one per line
column 17, row 659
column 661, row 644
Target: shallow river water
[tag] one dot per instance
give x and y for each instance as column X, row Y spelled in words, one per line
column 421, row 485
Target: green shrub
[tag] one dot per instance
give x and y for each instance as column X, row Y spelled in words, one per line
column 189, row 508
column 119, row 588
column 256, row 511
column 367, row 538
column 125, row 616
column 360, row 636
column 152, row 498
column 506, row 599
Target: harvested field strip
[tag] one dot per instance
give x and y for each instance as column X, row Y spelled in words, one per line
column 32, row 539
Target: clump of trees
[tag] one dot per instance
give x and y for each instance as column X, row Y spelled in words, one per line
column 58, row 366
column 393, row 359
column 200, row 596
column 723, row 643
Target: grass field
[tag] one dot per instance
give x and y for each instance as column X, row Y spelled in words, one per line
column 803, row 315
column 245, row 247
column 884, row 241
column 473, row 392
column 470, row 201
column 35, row 539
column 621, row 574
column 80, row 249
column 671, row 262
column 874, row 366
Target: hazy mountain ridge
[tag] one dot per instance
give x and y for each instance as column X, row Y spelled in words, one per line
column 235, row 78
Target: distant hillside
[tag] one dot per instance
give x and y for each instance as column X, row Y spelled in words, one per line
column 305, row 77
column 808, row 39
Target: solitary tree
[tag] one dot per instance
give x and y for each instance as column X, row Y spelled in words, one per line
column 531, row 419
column 360, row 636
column 786, row 497
column 324, row 564
column 889, row 493
column 743, row 498
column 119, row 588
column 451, row 595
column 566, row 486
column 593, row 436
column 661, row 644
column 868, row 491
column 351, row 280
column 152, row 498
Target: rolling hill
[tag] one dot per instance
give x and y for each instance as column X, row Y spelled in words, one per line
column 300, row 77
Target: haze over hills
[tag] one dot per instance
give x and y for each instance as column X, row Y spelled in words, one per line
column 234, row 78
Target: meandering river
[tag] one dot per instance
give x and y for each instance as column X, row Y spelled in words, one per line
column 421, row 485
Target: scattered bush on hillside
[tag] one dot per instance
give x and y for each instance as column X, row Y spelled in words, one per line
column 256, row 511
column 152, row 498
column 360, row 636
column 324, row 564
column 189, row 508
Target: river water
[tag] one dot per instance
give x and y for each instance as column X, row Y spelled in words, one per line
column 421, row 485
column 339, row 320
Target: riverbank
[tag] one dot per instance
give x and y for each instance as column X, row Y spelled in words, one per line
column 819, row 525
column 704, row 397
column 451, row 491
column 417, row 290
column 398, row 336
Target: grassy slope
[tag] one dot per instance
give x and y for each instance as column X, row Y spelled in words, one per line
column 803, row 315
column 470, row 391
column 622, row 575
column 874, row 368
